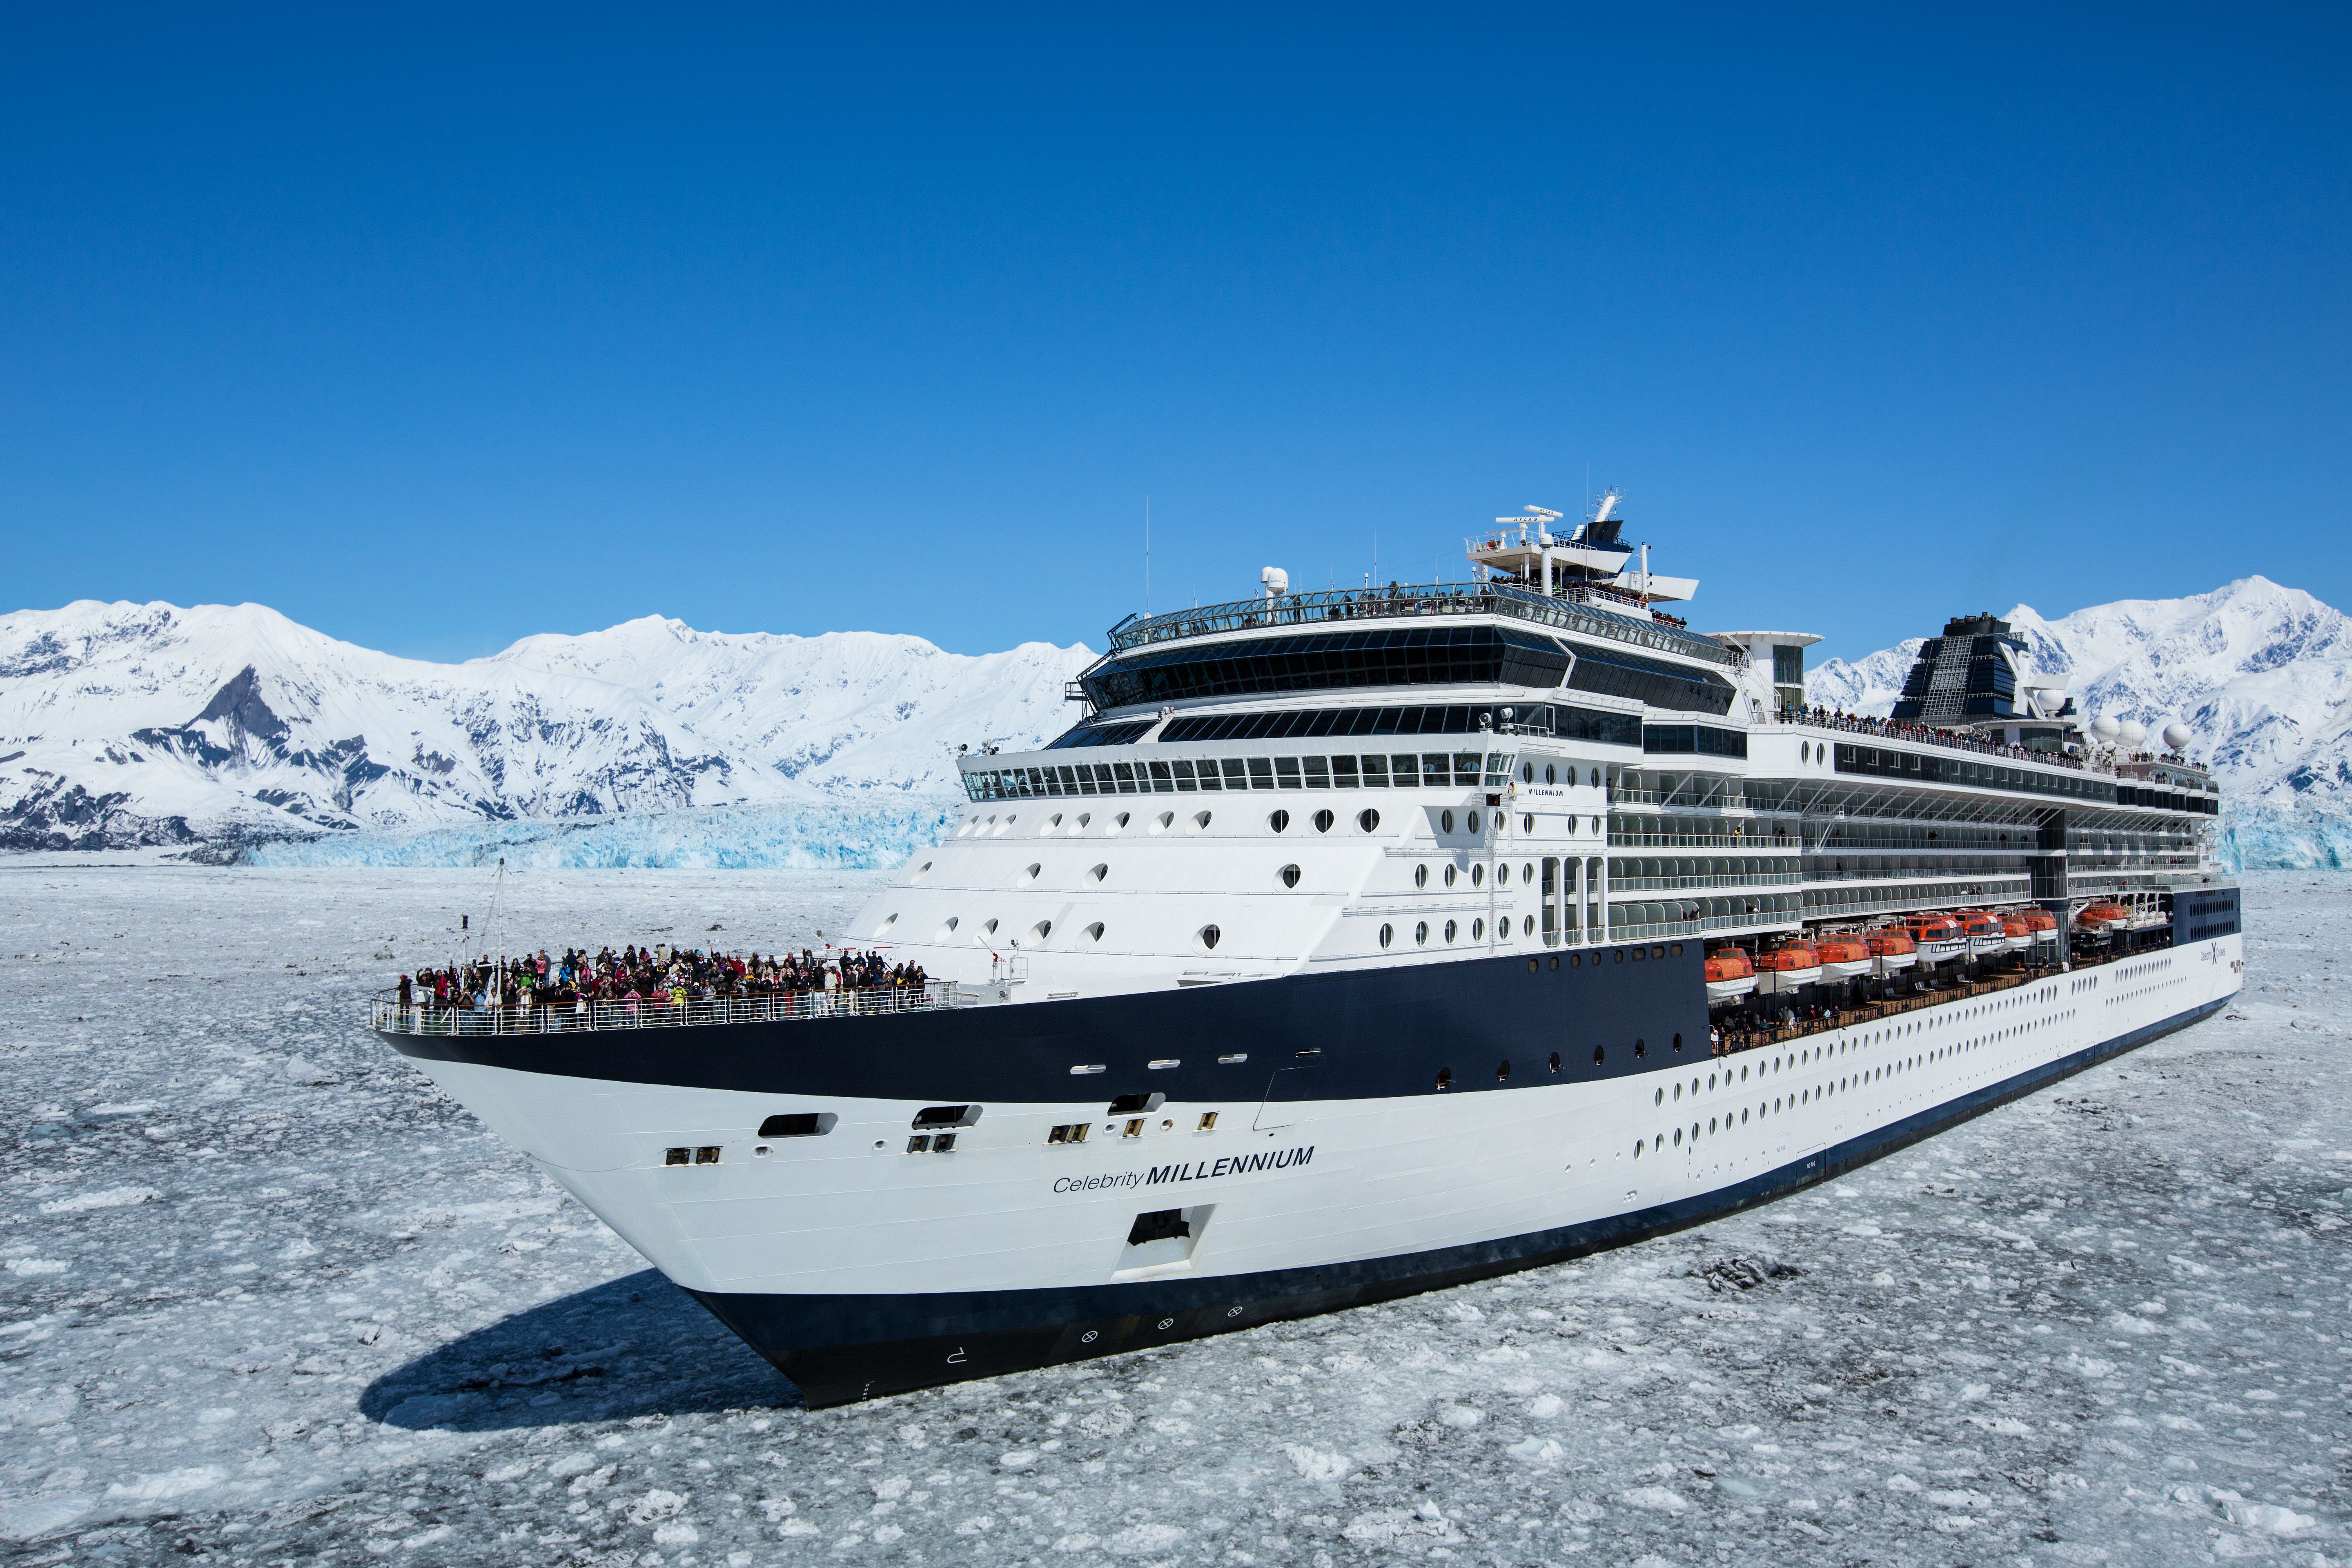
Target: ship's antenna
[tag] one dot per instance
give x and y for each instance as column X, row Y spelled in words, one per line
column 1147, row 557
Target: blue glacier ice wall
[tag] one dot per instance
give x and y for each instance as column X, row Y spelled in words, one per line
column 850, row 837
column 2274, row 838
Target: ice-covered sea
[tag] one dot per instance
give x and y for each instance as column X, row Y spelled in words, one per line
column 268, row 1298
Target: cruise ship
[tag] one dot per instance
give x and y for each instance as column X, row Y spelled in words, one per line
column 1356, row 943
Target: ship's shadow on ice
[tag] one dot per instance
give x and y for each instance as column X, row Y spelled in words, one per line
column 635, row 1346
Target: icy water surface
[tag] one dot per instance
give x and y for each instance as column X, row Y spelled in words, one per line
column 269, row 1298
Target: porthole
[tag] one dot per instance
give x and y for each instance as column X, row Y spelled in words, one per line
column 1445, row 1079
column 1278, row 821
column 1473, row 823
column 947, row 929
column 1527, row 773
column 1657, row 1097
column 1599, row 1055
column 1679, row 1137
column 1678, row 1042
column 1548, row 776
column 888, row 921
column 1478, row 930
column 1533, row 965
column 1420, row 934
column 1421, row 876
column 1051, row 823
column 1575, row 960
column 1446, row 822
column 1641, row 1048
column 1555, row 958
column 1094, row 932
column 1210, row 936
column 1289, row 875
column 1596, row 778
column 1503, row 1071
column 989, row 929
column 1161, row 823
column 1042, row 929
column 1527, row 823
column 1367, row 819
column 1449, row 875
column 1619, row 956
column 1323, row 821
column 1678, row 1087
column 1085, row 818
column 1478, row 874
column 1119, row 822
column 1387, row 934
column 1201, row 821
column 1527, row 873
column 1555, row 1061
column 1450, row 929
column 1098, row 873
column 921, row 872
column 1503, row 873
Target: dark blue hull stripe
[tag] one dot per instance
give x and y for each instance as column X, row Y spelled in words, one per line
column 843, row 1347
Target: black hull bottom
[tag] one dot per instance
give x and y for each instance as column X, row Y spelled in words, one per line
column 840, row 1349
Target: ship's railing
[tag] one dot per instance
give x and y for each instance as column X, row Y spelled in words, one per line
column 1321, row 610
column 386, row 1014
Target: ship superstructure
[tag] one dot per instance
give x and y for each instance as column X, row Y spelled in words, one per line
column 1353, row 942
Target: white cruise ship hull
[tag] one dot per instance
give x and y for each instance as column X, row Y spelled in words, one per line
column 860, row 1269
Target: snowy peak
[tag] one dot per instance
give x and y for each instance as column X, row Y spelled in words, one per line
column 146, row 723
column 2260, row 673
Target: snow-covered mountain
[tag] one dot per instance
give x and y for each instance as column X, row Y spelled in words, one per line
column 2260, row 674
column 124, row 724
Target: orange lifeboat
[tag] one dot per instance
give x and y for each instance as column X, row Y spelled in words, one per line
column 1983, row 932
column 1938, row 937
column 1893, row 947
column 1729, row 973
column 2013, row 927
column 1788, row 966
column 1843, row 955
column 2103, row 916
column 2042, row 925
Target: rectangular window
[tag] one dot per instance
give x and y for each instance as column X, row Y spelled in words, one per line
column 1317, row 772
column 1286, row 773
column 1261, row 773
column 1465, row 767
column 1160, row 781
column 1125, row 772
column 1376, row 772
column 1434, row 773
column 1236, row 773
column 1184, row 785
column 1208, row 770
column 1343, row 773
column 1499, row 769
column 1069, row 1132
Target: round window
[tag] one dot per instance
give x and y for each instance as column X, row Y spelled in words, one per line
column 1210, row 936
column 1528, row 928
column 1118, row 821
column 1446, row 822
column 1030, row 875
column 1450, row 929
column 990, row 928
column 1279, row 821
column 1388, row 934
column 1098, row 873
column 1094, row 932
column 1527, row 873
column 1478, row 874
column 1367, row 819
column 1550, row 773
column 1478, row 930
column 1323, row 821
column 1449, row 875
column 1290, row 876
column 1527, row 823
column 1051, row 823
column 1420, row 932
column 1473, row 823
column 1527, row 773
column 1201, row 821
column 1421, row 876
column 1042, row 929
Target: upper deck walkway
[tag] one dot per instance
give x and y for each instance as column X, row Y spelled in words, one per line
column 1568, row 611
column 386, row 1016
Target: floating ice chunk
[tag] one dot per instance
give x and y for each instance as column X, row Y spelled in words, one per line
column 1424, row 1526
column 166, row 1485
column 1536, row 1450
column 1317, row 1464
column 29, row 1519
column 1136, row 1540
column 1544, row 1406
column 40, row 1407
column 299, row 1070
column 1659, row 1499
column 656, row 1505
column 2267, row 1516
column 33, row 1268
column 111, row 1198
column 1460, row 1417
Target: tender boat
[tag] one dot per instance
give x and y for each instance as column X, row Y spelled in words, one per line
column 1937, row 937
column 2101, row 917
column 1983, row 934
column 1892, row 948
column 2020, row 934
column 2042, row 925
column 1789, row 967
column 1729, row 973
column 1845, row 955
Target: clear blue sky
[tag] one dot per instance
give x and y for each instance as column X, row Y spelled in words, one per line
column 437, row 329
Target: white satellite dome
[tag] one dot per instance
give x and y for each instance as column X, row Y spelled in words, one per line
column 2105, row 727
column 2177, row 736
column 2133, row 732
column 1276, row 581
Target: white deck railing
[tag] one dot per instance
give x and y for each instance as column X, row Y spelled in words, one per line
column 386, row 1016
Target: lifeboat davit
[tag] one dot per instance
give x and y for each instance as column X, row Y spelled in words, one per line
column 2020, row 934
column 1983, row 932
column 1893, row 947
column 2101, row 917
column 1729, row 973
column 1788, row 966
column 1843, row 955
column 1938, row 937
